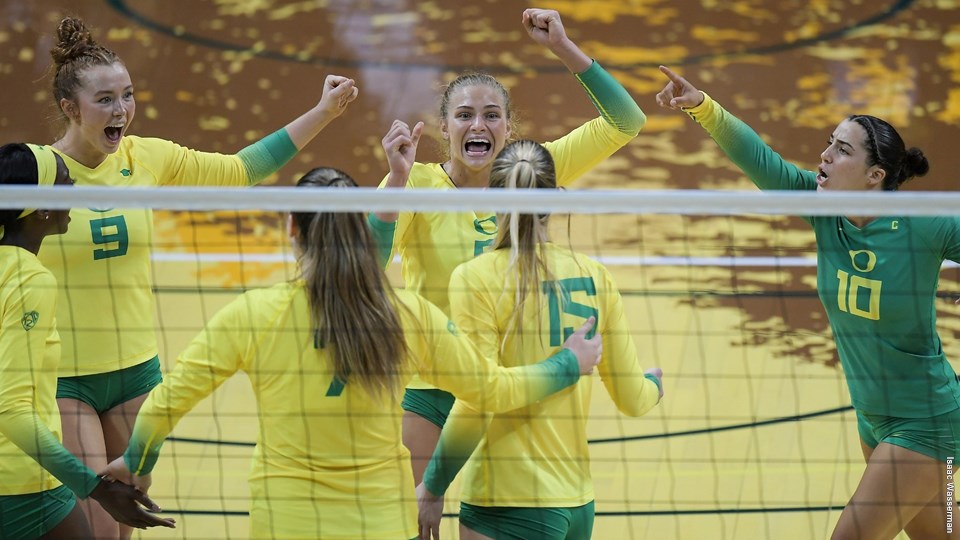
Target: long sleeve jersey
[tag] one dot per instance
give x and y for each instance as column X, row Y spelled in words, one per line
column 32, row 457
column 432, row 244
column 536, row 455
column 329, row 460
column 877, row 283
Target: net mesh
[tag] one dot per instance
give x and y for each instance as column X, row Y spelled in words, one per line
column 755, row 438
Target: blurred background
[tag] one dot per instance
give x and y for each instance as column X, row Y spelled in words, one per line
column 756, row 438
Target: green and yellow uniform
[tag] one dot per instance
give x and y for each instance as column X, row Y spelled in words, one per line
column 32, row 458
column 107, row 309
column 329, row 461
column 432, row 244
column 878, row 285
column 536, row 456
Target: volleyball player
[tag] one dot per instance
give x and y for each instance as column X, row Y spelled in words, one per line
column 529, row 477
column 39, row 479
column 107, row 308
column 877, row 278
column 328, row 356
column 476, row 122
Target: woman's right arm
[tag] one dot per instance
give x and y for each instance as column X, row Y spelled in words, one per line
column 742, row 144
column 452, row 362
column 400, row 147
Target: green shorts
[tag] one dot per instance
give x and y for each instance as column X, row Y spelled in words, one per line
column 34, row 514
column 937, row 437
column 432, row 404
column 105, row 391
column 520, row 523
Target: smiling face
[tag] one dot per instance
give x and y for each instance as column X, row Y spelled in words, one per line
column 101, row 111
column 476, row 126
column 843, row 165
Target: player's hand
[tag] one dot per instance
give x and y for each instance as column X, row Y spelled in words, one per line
column 338, row 92
column 400, row 146
column 678, row 93
column 588, row 351
column 129, row 505
column 117, row 470
column 430, row 511
column 658, row 373
column 544, row 26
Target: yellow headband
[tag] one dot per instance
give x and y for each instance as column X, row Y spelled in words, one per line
column 46, row 172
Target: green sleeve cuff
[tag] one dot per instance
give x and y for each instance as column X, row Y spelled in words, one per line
column 656, row 381
column 563, row 368
column 141, row 459
column 266, row 156
column 612, row 100
column 66, row 467
column 383, row 232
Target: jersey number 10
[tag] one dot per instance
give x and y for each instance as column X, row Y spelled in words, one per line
column 850, row 289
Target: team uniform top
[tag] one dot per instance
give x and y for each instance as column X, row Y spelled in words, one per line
column 432, row 244
column 106, row 311
column 329, row 462
column 877, row 283
column 32, row 458
column 536, row 456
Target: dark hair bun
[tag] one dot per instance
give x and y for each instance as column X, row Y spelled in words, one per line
column 915, row 163
column 73, row 40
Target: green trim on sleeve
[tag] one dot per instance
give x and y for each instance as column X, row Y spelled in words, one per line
column 562, row 370
column 655, row 380
column 266, row 156
column 141, row 457
column 612, row 100
column 44, row 447
column 383, row 232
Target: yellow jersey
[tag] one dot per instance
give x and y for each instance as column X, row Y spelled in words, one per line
column 329, row 461
column 432, row 244
column 107, row 310
column 537, row 456
column 32, row 458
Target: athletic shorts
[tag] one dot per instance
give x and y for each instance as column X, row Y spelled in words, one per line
column 521, row 523
column 937, row 437
column 432, row 404
column 33, row 515
column 104, row 391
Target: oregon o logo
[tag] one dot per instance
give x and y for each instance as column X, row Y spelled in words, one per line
column 870, row 262
column 29, row 320
column 452, row 328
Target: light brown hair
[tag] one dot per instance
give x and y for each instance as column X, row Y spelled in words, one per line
column 351, row 301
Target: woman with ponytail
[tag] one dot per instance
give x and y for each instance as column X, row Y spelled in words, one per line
column 328, row 356
column 477, row 120
column 515, row 303
column 110, row 359
column 39, row 479
column 877, row 278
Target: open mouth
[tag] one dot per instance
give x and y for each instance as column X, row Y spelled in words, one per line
column 477, row 147
column 821, row 177
column 114, row 133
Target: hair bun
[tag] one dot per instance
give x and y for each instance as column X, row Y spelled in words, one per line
column 73, row 40
column 915, row 163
